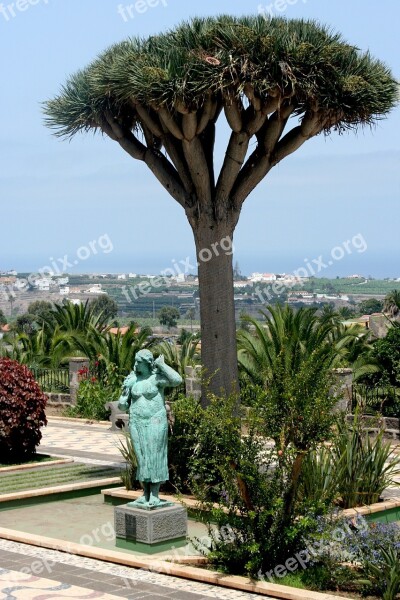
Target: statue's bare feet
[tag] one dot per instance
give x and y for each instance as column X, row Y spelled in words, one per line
column 141, row 500
column 154, row 500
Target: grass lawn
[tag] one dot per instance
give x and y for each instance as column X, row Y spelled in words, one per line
column 52, row 476
column 304, row 580
column 38, row 458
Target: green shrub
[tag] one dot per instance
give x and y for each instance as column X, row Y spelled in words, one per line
column 22, row 405
column 365, row 466
column 187, row 414
column 94, row 393
column 385, row 577
column 129, row 455
column 353, row 471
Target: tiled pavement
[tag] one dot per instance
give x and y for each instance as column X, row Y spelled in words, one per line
column 86, row 442
column 70, row 576
column 50, row 574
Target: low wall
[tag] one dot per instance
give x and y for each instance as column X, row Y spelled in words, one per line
column 374, row 424
column 56, row 400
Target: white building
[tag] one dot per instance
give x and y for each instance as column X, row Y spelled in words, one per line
column 95, row 289
column 43, row 284
column 262, row 277
column 123, row 276
column 64, row 291
column 63, row 281
column 132, row 275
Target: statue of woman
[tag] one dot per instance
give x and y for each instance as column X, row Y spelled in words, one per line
column 143, row 397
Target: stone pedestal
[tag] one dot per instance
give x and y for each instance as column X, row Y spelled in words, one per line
column 150, row 530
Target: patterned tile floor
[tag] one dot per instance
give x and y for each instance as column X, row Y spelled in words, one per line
column 28, row 572
column 55, row 574
column 95, row 442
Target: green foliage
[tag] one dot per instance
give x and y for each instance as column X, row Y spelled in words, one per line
column 3, row 319
column 254, row 533
column 105, row 306
column 386, row 352
column 94, row 393
column 372, row 305
column 22, row 406
column 392, row 303
column 318, row 480
column 353, row 471
column 365, row 466
column 187, row 413
column 385, row 576
column 41, row 311
column 286, row 340
column 373, row 549
column 24, row 324
column 169, row 316
column 243, row 484
column 129, row 455
column 180, row 356
column 223, row 56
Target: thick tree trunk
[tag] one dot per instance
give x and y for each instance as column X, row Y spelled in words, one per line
column 214, row 248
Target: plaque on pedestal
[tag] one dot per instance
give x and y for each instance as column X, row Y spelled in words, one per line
column 150, row 530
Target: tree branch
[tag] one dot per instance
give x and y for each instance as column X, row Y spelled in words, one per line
column 309, row 127
column 233, row 162
column 198, row 168
column 146, row 118
column 175, row 152
column 160, row 166
column 168, row 120
column 167, row 175
column 255, row 169
column 189, row 125
column 209, row 110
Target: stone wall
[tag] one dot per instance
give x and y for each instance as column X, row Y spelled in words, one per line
column 193, row 382
column 373, row 425
column 58, row 400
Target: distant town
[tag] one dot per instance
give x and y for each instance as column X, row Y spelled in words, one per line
column 143, row 295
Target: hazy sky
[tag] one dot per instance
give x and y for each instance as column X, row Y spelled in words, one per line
column 58, row 196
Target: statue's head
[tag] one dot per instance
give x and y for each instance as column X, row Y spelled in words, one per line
column 144, row 357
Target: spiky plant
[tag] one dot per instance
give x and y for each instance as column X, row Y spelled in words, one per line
column 160, row 99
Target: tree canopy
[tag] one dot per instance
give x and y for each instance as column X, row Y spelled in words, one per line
column 247, row 66
column 279, row 83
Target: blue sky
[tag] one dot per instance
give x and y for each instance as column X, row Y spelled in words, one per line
column 58, row 196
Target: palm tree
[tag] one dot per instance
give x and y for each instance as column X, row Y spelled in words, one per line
column 110, row 348
column 291, row 338
column 44, row 348
column 160, row 100
column 391, row 304
column 70, row 317
column 180, row 356
column 291, row 355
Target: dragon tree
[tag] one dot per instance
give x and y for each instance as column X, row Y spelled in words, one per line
column 278, row 83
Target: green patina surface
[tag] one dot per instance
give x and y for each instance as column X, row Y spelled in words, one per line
column 143, row 397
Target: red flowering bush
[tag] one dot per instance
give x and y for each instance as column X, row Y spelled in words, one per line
column 22, row 405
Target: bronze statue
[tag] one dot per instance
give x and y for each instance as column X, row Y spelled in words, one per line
column 143, row 397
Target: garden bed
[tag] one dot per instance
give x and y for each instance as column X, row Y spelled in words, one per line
column 40, row 460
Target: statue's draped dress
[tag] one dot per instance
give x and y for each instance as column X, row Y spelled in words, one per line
column 148, row 426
